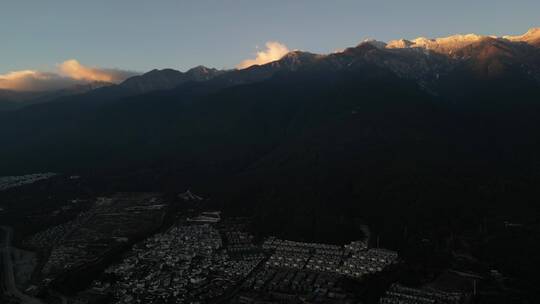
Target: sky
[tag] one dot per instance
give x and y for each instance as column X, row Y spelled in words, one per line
column 140, row 35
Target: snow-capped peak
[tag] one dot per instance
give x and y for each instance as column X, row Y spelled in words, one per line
column 441, row 45
column 399, row 44
column 376, row 43
column 448, row 45
column 531, row 36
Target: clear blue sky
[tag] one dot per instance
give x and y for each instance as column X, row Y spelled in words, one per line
column 145, row 34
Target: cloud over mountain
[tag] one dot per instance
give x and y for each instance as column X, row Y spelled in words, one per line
column 29, row 80
column 68, row 73
column 73, row 69
column 274, row 51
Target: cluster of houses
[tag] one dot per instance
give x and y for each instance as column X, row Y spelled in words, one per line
column 353, row 260
column 188, row 263
column 360, row 263
column 106, row 226
column 165, row 265
column 399, row 294
column 240, row 244
column 290, row 285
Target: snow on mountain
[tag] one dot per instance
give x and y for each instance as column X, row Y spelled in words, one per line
column 532, row 37
column 444, row 45
column 449, row 45
column 376, row 43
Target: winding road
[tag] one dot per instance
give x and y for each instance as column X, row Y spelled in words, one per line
column 7, row 278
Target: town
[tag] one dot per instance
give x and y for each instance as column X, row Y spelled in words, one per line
column 95, row 234
column 199, row 262
column 151, row 248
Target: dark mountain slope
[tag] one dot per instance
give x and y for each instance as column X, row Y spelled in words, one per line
column 14, row 100
column 101, row 126
column 199, row 80
column 96, row 94
column 166, row 79
column 183, row 120
column 403, row 150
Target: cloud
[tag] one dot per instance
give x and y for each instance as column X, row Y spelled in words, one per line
column 29, row 80
column 274, row 51
column 69, row 73
column 73, row 69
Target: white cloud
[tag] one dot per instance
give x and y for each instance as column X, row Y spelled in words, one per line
column 73, row 69
column 69, row 73
column 30, row 80
column 274, row 51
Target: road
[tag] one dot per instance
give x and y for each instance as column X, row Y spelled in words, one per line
column 8, row 276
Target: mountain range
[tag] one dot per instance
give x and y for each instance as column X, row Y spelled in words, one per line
column 423, row 126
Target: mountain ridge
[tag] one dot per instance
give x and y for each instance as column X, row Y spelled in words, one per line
column 418, row 59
